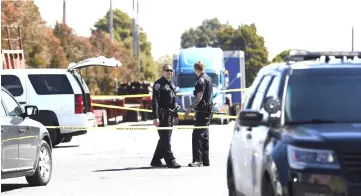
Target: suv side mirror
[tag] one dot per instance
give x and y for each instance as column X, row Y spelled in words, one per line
column 250, row 118
column 31, row 110
column 272, row 105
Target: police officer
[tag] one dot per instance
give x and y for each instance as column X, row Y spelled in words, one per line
column 164, row 111
column 203, row 113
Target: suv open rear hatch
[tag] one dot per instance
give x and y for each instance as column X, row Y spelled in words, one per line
column 83, row 102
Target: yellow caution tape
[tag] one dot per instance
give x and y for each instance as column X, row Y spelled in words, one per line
column 148, row 95
column 147, row 110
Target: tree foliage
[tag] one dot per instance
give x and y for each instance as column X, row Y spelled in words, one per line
column 215, row 34
column 281, row 57
column 122, row 31
column 161, row 61
column 47, row 47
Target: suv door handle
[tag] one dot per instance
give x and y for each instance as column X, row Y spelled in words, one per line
column 249, row 136
column 22, row 130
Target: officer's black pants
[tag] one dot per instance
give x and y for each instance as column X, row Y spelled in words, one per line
column 164, row 149
column 200, row 138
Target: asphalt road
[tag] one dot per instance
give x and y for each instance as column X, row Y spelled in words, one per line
column 109, row 162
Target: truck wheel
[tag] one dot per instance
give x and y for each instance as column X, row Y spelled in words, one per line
column 144, row 116
column 132, row 116
column 44, row 167
column 226, row 120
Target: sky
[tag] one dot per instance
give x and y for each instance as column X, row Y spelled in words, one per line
column 284, row 24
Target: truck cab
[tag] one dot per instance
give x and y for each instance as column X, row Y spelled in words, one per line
column 185, row 77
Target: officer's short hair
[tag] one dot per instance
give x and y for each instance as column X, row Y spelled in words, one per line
column 165, row 66
column 199, row 66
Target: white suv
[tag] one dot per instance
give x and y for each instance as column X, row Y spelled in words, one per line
column 61, row 95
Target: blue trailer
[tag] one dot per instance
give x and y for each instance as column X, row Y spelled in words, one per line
column 185, row 78
column 235, row 65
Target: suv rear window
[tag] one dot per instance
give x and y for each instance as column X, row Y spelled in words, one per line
column 51, row 84
column 12, row 84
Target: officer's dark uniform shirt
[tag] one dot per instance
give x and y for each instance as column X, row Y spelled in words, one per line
column 204, row 83
column 164, row 96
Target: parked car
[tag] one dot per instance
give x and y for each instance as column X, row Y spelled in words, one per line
column 62, row 96
column 299, row 131
column 25, row 143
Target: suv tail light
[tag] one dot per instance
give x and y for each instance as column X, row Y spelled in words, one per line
column 79, row 104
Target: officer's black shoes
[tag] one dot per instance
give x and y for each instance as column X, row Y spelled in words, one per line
column 173, row 164
column 206, row 164
column 157, row 164
column 195, row 164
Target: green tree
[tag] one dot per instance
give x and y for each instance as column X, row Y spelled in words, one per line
column 281, row 57
column 204, row 35
column 41, row 47
column 163, row 60
column 245, row 38
column 122, row 31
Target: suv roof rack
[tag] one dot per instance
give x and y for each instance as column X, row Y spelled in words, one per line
column 305, row 55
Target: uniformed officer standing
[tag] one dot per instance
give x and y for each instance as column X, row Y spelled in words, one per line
column 203, row 107
column 164, row 106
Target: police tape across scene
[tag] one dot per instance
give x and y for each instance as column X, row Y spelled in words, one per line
column 123, row 128
column 215, row 115
column 147, row 95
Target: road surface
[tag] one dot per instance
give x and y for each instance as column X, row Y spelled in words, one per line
column 110, row 162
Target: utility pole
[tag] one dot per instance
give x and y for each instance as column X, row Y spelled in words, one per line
column 133, row 30
column 64, row 12
column 138, row 41
column 111, row 21
column 136, row 34
column 352, row 38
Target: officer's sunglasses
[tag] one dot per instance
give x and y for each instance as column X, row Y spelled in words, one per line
column 168, row 70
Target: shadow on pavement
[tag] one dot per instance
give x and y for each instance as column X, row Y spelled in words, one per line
column 10, row 187
column 131, row 168
column 69, row 146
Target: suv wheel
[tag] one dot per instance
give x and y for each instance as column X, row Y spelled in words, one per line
column 55, row 136
column 230, row 180
column 43, row 171
column 267, row 188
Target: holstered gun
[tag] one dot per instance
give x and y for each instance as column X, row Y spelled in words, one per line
column 204, row 106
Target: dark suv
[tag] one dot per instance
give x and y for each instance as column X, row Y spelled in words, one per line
column 299, row 131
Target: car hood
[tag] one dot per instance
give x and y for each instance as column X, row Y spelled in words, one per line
column 339, row 137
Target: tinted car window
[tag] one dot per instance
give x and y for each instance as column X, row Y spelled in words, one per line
column 51, row 84
column 333, row 94
column 12, row 106
column 260, row 94
column 12, row 84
